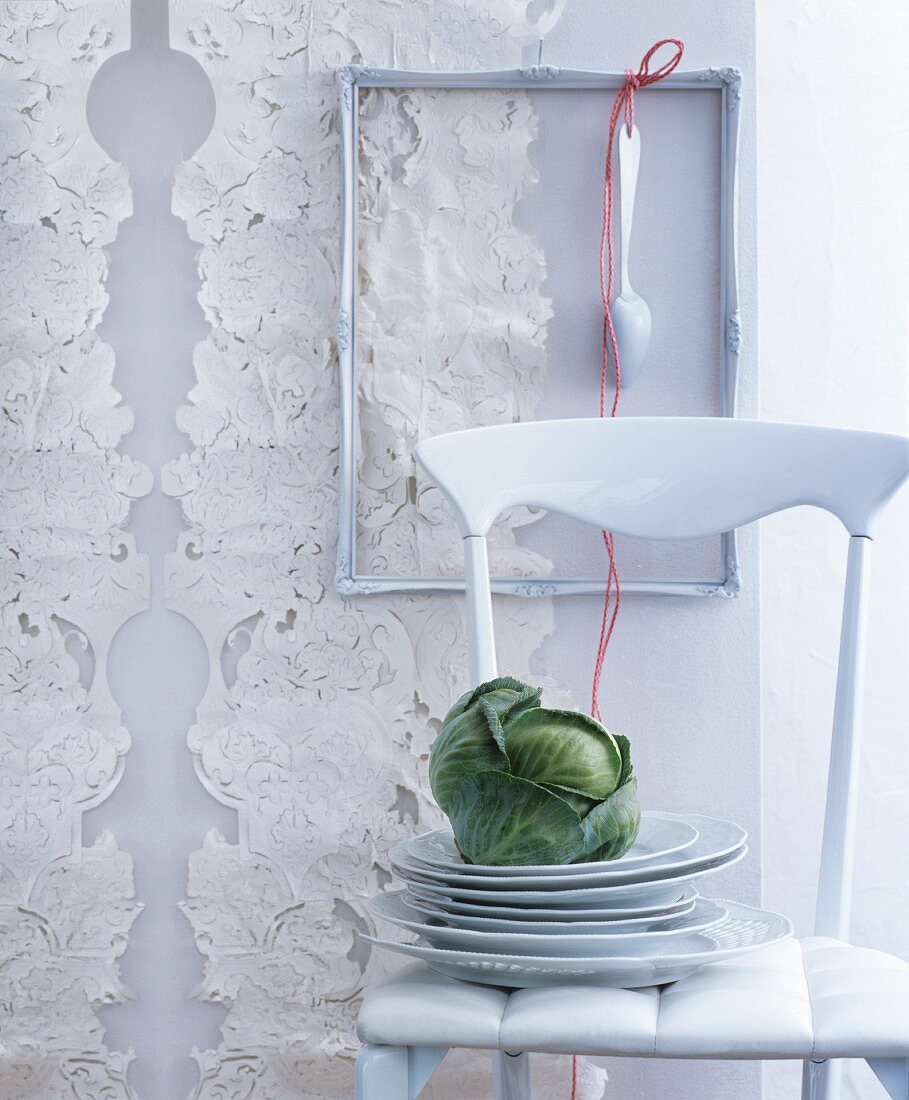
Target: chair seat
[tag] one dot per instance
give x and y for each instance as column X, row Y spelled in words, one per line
column 814, row 998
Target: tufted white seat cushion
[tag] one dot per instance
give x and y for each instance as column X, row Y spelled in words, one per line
column 814, row 998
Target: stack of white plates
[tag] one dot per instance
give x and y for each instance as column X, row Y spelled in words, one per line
column 629, row 922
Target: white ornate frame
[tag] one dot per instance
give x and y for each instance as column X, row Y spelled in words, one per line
column 351, row 79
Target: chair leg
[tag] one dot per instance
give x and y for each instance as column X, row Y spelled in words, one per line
column 822, row 1080
column 422, row 1062
column 511, row 1076
column 395, row 1073
column 893, row 1074
column 382, row 1073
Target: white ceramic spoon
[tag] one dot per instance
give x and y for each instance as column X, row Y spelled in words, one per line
column 630, row 313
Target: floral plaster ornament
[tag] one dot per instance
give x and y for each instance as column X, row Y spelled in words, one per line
column 316, row 724
column 70, row 575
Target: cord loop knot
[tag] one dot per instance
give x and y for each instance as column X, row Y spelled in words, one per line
column 643, row 77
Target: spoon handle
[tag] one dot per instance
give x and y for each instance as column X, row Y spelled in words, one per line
column 629, row 159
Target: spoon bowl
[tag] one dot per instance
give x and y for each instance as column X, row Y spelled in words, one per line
column 632, row 321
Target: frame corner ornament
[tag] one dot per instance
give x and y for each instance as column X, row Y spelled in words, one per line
column 540, row 72
column 348, row 584
column 349, row 76
column 344, row 582
column 343, row 330
column 731, row 77
column 734, row 332
column 731, row 587
column 535, row 589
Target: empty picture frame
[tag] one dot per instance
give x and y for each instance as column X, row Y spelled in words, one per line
column 352, row 79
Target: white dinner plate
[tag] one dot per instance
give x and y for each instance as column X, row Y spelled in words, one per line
column 461, row 911
column 716, row 839
column 657, row 892
column 744, row 929
column 536, row 940
column 661, row 834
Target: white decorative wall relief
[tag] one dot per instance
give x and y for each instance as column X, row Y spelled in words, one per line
column 71, row 576
column 320, row 710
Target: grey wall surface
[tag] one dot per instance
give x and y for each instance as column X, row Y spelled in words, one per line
column 150, row 108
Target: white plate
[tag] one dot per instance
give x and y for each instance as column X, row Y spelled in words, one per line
column 744, row 929
column 462, row 911
column 661, row 834
column 534, row 939
column 659, row 892
column 716, row 839
column 553, row 922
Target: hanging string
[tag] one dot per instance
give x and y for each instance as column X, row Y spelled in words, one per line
column 624, row 102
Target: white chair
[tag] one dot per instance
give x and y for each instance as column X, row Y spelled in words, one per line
column 815, row 1000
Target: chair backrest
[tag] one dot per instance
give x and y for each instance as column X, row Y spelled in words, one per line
column 665, row 477
column 682, row 478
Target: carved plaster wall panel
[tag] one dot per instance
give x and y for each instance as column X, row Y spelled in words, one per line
column 71, row 575
column 320, row 710
column 451, row 316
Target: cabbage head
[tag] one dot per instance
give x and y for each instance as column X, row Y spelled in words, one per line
column 523, row 784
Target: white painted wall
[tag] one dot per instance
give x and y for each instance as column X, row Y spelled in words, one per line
column 832, row 244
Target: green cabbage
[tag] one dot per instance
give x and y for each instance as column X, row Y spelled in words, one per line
column 523, row 785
